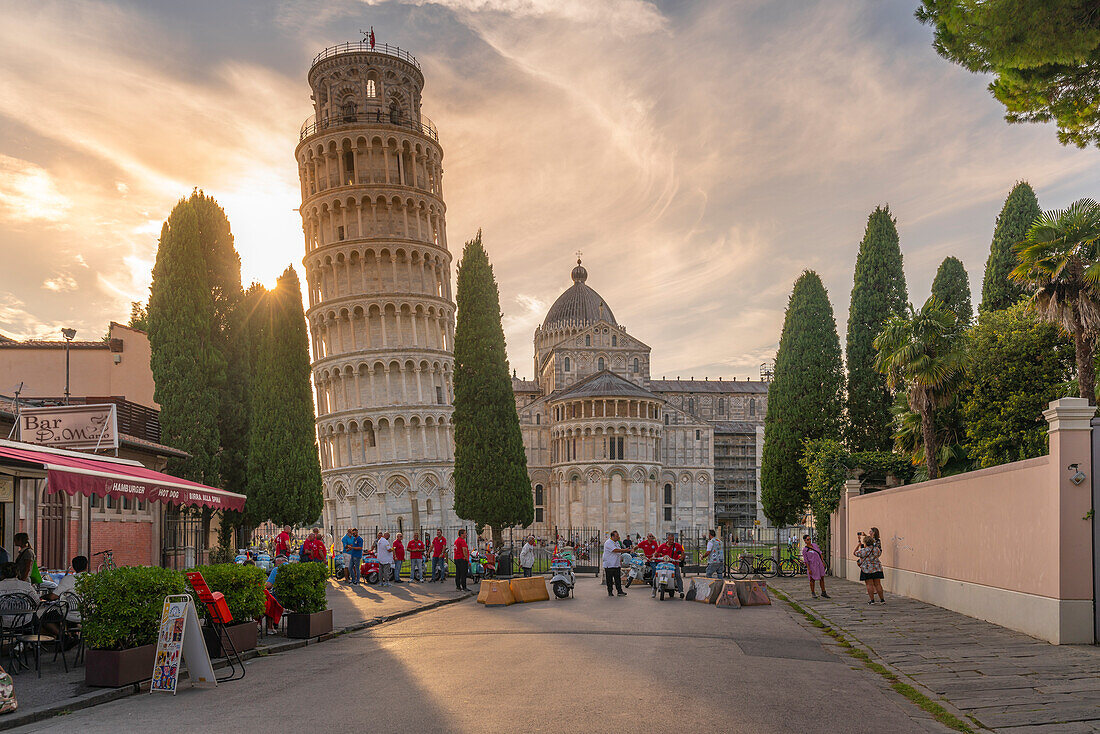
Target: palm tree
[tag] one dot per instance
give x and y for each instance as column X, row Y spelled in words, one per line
column 924, row 353
column 1059, row 264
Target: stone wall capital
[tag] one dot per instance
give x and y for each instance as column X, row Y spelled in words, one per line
column 1069, row 414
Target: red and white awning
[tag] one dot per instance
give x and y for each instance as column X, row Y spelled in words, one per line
column 74, row 473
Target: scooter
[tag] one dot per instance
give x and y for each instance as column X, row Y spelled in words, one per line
column 562, row 580
column 370, row 570
column 635, row 568
column 665, row 580
column 477, row 567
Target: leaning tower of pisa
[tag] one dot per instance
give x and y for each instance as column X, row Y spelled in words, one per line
column 381, row 313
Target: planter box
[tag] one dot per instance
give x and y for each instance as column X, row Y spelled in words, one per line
column 243, row 635
column 302, row 626
column 116, row 668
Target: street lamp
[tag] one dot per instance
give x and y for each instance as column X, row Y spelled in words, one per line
column 69, row 334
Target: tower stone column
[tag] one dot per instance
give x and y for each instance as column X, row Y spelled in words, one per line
column 380, row 312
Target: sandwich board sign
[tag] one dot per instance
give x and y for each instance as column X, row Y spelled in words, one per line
column 180, row 641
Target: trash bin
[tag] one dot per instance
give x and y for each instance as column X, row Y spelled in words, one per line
column 504, row 564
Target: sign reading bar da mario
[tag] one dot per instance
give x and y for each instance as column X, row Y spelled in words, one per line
column 70, row 426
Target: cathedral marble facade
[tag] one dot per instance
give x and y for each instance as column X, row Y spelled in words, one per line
column 607, row 445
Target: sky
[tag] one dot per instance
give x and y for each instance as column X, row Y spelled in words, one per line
column 700, row 154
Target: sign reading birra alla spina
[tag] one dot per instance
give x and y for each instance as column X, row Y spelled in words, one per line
column 70, row 426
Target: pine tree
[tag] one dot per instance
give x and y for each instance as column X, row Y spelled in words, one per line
column 878, row 293
column 805, row 398
column 952, row 288
column 1019, row 211
column 491, row 482
column 180, row 316
column 284, row 475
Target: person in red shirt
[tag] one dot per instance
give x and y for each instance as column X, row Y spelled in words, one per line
column 282, row 542
column 649, row 547
column 315, row 549
column 462, row 560
column 416, row 558
column 398, row 558
column 439, row 556
column 675, row 553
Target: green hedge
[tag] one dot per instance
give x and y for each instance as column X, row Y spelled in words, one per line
column 300, row 587
column 243, row 587
column 122, row 606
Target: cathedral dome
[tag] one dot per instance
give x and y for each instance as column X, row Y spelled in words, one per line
column 578, row 306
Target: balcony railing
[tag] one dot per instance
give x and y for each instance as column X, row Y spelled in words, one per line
column 423, row 126
column 366, row 47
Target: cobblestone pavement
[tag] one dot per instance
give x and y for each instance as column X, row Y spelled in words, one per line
column 1004, row 680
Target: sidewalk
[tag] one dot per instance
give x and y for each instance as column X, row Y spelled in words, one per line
column 353, row 608
column 1001, row 679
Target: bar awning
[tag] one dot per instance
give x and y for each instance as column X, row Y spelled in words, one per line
column 74, row 473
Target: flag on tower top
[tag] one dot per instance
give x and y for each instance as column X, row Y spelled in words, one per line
column 372, row 38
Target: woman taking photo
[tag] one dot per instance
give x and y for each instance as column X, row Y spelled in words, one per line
column 870, row 568
column 815, row 565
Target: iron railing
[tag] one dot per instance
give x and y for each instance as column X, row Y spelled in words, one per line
column 352, row 47
column 313, row 126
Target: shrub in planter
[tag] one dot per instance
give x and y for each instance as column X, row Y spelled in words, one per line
column 122, row 606
column 242, row 586
column 300, row 587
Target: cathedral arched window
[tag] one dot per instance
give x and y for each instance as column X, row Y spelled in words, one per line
column 599, row 364
column 428, row 507
column 372, row 90
column 567, row 364
column 635, row 365
column 752, row 406
column 614, row 340
column 668, row 503
column 349, row 111
column 588, row 340
column 538, row 419
column 539, row 502
column 691, row 405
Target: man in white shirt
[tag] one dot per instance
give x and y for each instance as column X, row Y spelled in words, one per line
column 385, row 557
column 612, row 563
column 11, row 584
column 716, row 562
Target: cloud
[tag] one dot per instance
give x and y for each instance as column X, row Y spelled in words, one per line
column 28, row 193
column 60, row 282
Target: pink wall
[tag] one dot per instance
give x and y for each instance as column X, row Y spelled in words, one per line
column 996, row 527
column 92, row 372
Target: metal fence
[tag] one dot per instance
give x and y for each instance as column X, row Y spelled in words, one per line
column 587, row 543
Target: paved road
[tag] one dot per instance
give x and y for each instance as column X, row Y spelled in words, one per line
column 585, row 664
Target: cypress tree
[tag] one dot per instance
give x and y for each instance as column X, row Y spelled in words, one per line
column 805, row 398
column 1019, row 211
column 284, row 474
column 878, row 292
column 184, row 360
column 952, row 288
column 491, row 482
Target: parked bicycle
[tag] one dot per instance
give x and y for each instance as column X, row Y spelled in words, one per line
column 750, row 565
column 108, row 561
column 793, row 566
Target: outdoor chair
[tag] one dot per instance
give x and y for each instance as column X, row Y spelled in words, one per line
column 16, row 619
column 37, row 637
column 74, row 623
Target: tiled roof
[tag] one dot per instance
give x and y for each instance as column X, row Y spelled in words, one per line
column 720, row 386
column 604, row 384
column 734, row 427
column 6, row 343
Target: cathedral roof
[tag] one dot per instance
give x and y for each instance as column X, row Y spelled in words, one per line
column 579, row 305
column 605, row 384
column 719, row 386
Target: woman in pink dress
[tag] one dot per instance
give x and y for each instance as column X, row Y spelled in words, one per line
column 815, row 565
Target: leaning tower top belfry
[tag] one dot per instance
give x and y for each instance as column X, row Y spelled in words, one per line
column 381, row 313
